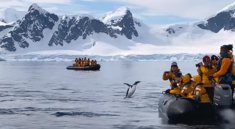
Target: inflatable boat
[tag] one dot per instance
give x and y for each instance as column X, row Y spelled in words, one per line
column 93, row 67
column 176, row 108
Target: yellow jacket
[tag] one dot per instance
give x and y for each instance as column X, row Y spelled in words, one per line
column 226, row 62
column 200, row 92
column 172, row 77
column 175, row 91
column 187, row 90
column 205, row 73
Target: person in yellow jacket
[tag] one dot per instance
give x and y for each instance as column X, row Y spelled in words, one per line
column 196, row 80
column 225, row 66
column 187, row 85
column 201, row 95
column 174, row 76
column 199, row 92
column 205, row 70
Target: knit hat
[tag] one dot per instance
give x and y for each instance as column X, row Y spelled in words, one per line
column 227, row 48
column 206, row 58
column 214, row 57
column 174, row 64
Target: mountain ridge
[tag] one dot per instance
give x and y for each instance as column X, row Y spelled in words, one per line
column 66, row 28
column 116, row 32
column 224, row 19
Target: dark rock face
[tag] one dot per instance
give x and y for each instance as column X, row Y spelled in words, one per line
column 223, row 20
column 170, row 31
column 127, row 25
column 33, row 24
column 71, row 29
column 8, row 43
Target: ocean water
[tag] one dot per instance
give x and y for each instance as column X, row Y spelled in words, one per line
column 44, row 95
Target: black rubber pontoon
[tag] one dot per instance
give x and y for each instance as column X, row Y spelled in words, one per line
column 94, row 67
column 175, row 108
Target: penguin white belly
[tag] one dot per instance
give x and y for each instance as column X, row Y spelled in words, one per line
column 131, row 91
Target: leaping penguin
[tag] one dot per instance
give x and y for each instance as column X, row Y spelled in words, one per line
column 131, row 89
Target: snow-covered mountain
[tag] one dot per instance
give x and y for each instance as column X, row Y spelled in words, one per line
column 49, row 30
column 116, row 33
column 30, row 27
column 122, row 22
column 223, row 20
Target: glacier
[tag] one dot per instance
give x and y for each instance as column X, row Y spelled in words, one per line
column 61, row 57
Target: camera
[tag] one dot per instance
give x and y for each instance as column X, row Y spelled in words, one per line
column 199, row 64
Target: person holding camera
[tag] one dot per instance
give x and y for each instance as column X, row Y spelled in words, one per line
column 199, row 93
column 187, row 85
column 174, row 76
column 205, row 70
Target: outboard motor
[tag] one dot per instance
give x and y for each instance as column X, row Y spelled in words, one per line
column 223, row 95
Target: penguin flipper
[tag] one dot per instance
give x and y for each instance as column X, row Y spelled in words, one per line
column 128, row 84
column 136, row 82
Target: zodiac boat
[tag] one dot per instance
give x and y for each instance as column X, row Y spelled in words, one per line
column 176, row 108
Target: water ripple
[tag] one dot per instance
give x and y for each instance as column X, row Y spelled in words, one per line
column 10, row 111
column 62, row 89
column 29, row 91
column 7, row 84
column 75, row 100
column 86, row 114
column 6, row 112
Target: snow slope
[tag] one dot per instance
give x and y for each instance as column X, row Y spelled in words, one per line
column 228, row 8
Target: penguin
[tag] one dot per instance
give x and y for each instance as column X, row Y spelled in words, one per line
column 131, row 89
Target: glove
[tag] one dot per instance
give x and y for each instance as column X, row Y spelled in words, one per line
column 210, row 78
column 167, row 91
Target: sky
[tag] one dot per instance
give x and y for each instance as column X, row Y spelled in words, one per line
column 152, row 12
